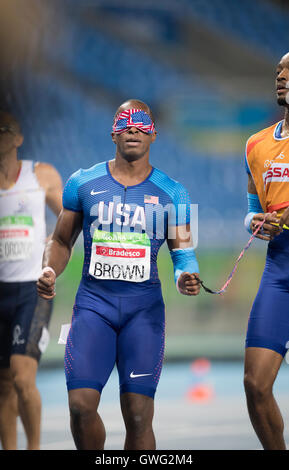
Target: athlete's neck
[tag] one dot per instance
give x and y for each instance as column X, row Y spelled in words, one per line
column 285, row 126
column 9, row 169
column 129, row 173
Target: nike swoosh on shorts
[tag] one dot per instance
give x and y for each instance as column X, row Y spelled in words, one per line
column 133, row 376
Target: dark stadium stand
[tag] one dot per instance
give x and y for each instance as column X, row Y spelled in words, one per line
column 70, row 76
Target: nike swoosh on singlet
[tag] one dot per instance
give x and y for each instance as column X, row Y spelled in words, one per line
column 133, row 376
column 93, row 193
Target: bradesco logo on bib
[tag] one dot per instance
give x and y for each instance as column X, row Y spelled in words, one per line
column 123, row 256
column 16, row 237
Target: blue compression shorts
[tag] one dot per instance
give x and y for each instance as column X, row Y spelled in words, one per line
column 108, row 330
column 268, row 325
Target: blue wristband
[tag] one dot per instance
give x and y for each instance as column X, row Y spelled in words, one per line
column 248, row 220
column 184, row 260
column 254, row 207
column 254, row 203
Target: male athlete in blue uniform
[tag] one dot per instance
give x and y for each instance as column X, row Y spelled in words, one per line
column 126, row 209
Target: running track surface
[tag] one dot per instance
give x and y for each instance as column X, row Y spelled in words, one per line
column 218, row 423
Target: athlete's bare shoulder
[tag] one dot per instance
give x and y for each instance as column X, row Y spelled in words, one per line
column 50, row 180
column 47, row 175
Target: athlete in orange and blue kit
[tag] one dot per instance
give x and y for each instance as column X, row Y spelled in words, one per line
column 267, row 164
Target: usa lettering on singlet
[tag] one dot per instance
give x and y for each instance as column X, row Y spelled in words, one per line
column 22, row 227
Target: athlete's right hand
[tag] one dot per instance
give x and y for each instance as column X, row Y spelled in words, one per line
column 46, row 284
column 268, row 231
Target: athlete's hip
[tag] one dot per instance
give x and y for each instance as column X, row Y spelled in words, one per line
column 276, row 270
column 114, row 308
column 13, row 291
column 120, row 288
column 280, row 243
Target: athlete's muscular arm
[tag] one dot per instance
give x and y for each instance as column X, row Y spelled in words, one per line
column 182, row 239
column 251, row 185
column 50, row 180
column 58, row 250
column 269, row 231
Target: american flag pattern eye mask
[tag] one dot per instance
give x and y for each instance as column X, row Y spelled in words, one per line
column 133, row 118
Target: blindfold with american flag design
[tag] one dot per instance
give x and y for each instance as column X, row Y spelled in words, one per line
column 133, row 118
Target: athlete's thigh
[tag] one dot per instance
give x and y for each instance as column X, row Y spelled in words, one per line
column 262, row 366
column 30, row 335
column 6, row 382
column 8, row 304
column 90, row 352
column 5, row 344
column 268, row 325
column 23, row 368
column 140, row 348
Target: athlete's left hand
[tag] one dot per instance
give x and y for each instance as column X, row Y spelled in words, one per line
column 268, row 231
column 284, row 219
column 188, row 284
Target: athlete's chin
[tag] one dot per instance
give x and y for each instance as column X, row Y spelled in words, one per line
column 281, row 101
column 132, row 156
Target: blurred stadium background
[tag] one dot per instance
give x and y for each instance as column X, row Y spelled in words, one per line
column 206, row 68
